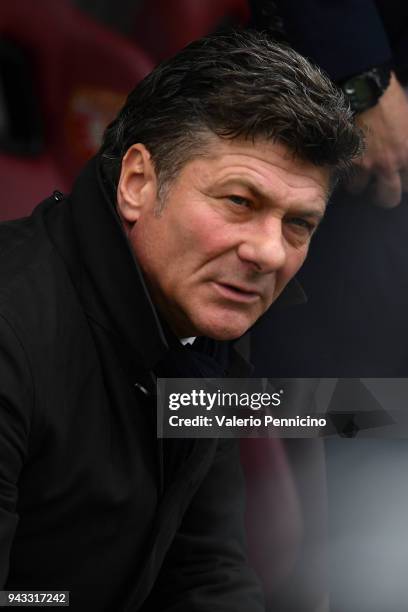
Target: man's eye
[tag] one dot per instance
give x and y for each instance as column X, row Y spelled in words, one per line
column 302, row 224
column 239, row 200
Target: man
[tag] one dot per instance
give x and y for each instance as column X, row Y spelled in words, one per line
column 191, row 221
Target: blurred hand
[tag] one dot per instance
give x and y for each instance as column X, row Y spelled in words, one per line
column 383, row 169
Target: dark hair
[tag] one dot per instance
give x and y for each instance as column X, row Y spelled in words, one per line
column 233, row 84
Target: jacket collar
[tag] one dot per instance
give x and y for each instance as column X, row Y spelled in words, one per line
column 111, row 285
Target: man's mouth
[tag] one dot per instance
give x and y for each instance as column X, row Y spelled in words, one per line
column 237, row 293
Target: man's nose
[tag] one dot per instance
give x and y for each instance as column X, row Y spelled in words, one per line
column 264, row 246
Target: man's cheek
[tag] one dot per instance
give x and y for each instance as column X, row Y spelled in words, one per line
column 296, row 262
column 291, row 269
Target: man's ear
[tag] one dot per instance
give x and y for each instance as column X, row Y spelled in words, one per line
column 137, row 186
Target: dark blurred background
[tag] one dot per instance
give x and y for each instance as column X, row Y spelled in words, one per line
column 65, row 69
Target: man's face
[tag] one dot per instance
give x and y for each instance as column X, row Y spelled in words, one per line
column 235, row 228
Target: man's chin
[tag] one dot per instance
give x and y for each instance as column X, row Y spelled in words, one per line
column 222, row 331
column 226, row 335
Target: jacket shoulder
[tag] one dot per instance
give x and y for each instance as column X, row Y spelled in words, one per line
column 36, row 294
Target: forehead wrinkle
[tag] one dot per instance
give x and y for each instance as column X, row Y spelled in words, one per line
column 270, row 156
column 271, row 159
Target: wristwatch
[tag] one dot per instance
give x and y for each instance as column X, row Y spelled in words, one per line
column 364, row 90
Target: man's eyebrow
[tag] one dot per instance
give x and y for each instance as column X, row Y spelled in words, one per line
column 243, row 182
column 315, row 213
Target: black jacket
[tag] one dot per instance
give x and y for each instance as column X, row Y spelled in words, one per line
column 90, row 500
